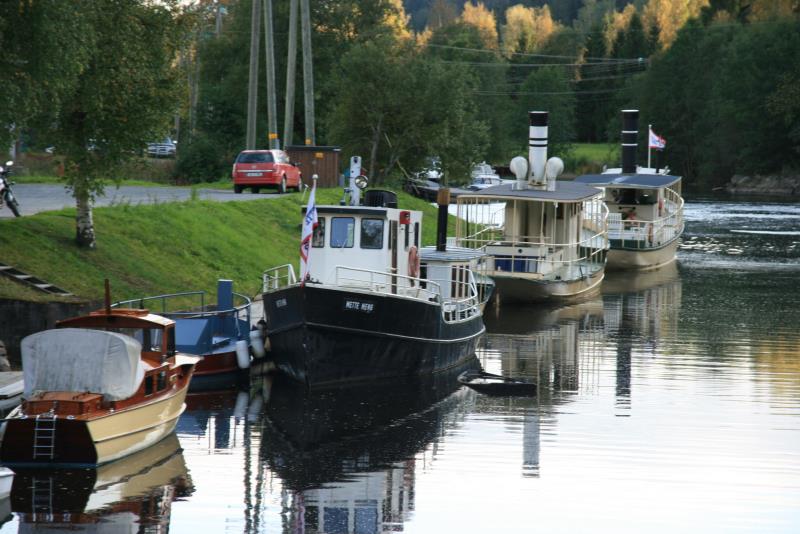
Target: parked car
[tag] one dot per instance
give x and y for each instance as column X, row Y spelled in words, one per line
column 164, row 149
column 265, row 168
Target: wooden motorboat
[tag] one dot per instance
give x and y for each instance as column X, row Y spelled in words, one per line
column 97, row 388
column 219, row 332
column 496, row 385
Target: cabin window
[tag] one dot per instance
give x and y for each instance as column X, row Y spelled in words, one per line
column 459, row 281
column 407, row 231
column 372, row 233
column 342, row 232
column 162, row 381
column 416, row 234
column 150, row 338
column 148, row 385
column 318, row 238
column 171, row 341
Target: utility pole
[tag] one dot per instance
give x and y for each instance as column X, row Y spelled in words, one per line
column 269, row 50
column 308, row 71
column 291, row 72
column 252, row 88
column 218, row 19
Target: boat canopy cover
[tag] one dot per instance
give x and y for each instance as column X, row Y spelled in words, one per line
column 451, row 254
column 565, row 191
column 79, row 359
column 654, row 181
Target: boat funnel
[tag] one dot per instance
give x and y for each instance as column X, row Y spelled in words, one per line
column 537, row 146
column 443, row 199
column 630, row 134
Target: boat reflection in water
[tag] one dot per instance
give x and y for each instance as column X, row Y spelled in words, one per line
column 639, row 309
column 564, row 349
column 348, row 457
column 130, row 495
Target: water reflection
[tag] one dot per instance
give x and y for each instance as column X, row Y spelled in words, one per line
column 348, row 458
column 132, row 494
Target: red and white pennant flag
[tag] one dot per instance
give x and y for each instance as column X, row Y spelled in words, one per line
column 656, row 141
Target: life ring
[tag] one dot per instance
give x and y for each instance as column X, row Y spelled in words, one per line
column 413, row 262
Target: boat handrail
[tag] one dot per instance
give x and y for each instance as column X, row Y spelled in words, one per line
column 399, row 284
column 278, row 277
column 203, row 312
column 651, row 232
column 465, row 304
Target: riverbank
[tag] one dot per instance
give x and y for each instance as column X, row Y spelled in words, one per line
column 788, row 185
column 168, row 247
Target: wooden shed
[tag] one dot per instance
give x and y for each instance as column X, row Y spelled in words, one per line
column 323, row 161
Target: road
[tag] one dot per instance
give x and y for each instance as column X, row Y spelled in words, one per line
column 35, row 198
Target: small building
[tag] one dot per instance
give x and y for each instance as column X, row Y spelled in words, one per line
column 320, row 160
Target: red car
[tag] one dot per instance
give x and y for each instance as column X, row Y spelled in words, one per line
column 265, row 168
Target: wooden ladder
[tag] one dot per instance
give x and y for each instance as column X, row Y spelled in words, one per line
column 44, row 436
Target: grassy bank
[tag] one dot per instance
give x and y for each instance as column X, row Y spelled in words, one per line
column 164, row 248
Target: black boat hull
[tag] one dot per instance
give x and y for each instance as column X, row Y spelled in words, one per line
column 322, row 336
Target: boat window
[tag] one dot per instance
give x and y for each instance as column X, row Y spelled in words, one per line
column 416, row 234
column 162, row 381
column 171, row 341
column 342, row 232
column 150, row 338
column 627, row 196
column 148, row 385
column 372, row 233
column 318, row 238
column 407, row 232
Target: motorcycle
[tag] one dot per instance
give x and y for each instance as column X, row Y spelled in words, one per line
column 6, row 195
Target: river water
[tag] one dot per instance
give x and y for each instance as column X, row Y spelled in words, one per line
column 669, row 403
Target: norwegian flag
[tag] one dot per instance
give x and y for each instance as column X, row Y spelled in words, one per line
column 656, row 141
column 309, row 223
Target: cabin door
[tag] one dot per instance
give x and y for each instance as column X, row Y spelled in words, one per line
column 394, row 246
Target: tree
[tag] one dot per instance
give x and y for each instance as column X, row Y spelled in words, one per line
column 483, row 20
column 548, row 89
column 45, row 45
column 527, row 29
column 126, row 93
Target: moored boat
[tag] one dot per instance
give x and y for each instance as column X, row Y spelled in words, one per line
column 645, row 219
column 219, row 332
column 97, row 388
column 365, row 311
column 547, row 240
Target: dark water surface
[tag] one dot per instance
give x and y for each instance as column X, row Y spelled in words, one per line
column 670, row 403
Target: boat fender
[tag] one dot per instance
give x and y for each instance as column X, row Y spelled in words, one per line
column 240, row 410
column 257, row 343
column 242, row 354
column 413, row 262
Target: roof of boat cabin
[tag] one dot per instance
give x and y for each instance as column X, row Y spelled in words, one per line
column 566, row 191
column 653, row 181
column 352, row 210
column 430, row 253
column 124, row 317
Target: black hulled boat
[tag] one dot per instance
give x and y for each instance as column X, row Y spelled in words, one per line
column 369, row 310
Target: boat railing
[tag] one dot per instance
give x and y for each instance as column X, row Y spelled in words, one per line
column 653, row 233
column 460, row 303
column 278, row 277
column 387, row 283
column 193, row 305
column 544, row 256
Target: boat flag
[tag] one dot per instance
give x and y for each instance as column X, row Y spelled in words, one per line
column 309, row 223
column 656, row 141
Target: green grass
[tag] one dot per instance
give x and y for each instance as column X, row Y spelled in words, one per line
column 168, row 247
column 591, row 157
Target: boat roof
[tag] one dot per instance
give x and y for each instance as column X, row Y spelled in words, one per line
column 430, row 253
column 565, row 191
column 639, row 180
column 119, row 317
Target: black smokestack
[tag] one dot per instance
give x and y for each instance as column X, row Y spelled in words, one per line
column 630, row 135
column 443, row 199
